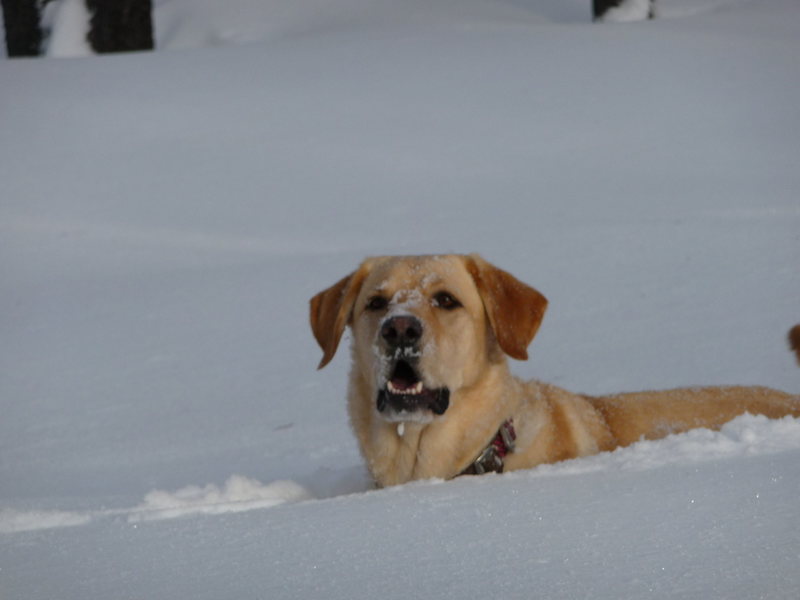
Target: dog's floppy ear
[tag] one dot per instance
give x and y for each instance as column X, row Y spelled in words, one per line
column 331, row 311
column 515, row 309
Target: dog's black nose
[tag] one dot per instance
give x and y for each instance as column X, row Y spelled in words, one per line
column 401, row 331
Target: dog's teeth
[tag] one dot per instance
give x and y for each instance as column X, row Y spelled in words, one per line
column 412, row 391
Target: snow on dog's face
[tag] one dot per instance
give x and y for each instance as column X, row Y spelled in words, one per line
column 425, row 327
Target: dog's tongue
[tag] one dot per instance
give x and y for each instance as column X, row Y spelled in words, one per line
column 402, row 385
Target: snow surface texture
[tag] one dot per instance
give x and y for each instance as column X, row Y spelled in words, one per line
column 164, row 218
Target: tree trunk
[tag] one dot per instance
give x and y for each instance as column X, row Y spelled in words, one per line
column 601, row 7
column 23, row 33
column 120, row 25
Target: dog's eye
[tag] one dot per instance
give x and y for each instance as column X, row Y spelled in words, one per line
column 377, row 303
column 446, row 301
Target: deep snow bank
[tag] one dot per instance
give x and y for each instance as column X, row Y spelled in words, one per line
column 711, row 529
column 745, row 436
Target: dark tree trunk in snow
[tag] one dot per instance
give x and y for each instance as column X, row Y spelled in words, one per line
column 601, row 7
column 120, row 25
column 23, row 33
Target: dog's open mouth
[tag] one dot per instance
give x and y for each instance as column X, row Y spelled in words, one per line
column 405, row 395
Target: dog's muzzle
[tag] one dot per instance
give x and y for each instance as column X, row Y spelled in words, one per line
column 406, row 397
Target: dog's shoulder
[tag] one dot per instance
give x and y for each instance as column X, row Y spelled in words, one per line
column 568, row 425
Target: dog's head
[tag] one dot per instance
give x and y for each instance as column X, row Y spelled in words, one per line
column 426, row 326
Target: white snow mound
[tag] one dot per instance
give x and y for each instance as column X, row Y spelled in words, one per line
column 14, row 521
column 239, row 494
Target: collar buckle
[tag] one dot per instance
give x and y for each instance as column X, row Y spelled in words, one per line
column 490, row 460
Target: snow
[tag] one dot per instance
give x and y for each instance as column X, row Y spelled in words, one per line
column 165, row 217
column 13, row 521
column 239, row 494
column 68, row 20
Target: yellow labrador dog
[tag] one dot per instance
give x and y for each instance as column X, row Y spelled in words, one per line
column 431, row 394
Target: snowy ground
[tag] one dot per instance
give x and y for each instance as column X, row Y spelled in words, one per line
column 165, row 217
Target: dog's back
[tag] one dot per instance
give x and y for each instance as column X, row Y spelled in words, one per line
column 652, row 415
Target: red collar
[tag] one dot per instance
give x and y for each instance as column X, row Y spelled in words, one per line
column 491, row 459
